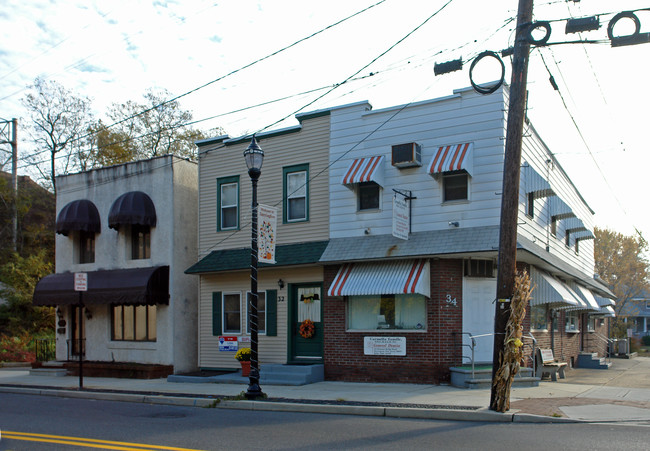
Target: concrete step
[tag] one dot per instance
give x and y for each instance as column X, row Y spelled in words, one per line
column 57, row 372
column 592, row 361
column 270, row 374
column 517, row 382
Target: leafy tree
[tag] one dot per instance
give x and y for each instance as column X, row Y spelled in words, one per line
column 59, row 118
column 152, row 128
column 19, row 276
column 621, row 263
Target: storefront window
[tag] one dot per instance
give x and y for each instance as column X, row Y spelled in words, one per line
column 387, row 312
column 538, row 317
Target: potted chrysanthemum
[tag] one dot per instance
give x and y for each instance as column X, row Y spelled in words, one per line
column 244, row 357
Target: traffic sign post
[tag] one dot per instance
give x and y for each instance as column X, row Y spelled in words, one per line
column 81, row 285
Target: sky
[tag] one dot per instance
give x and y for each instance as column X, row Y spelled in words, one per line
column 216, row 56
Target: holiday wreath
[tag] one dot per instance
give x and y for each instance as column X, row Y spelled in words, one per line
column 307, row 329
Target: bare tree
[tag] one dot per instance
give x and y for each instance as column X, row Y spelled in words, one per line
column 59, row 118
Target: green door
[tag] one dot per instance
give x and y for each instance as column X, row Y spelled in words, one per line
column 305, row 303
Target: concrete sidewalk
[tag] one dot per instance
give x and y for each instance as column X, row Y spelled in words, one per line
column 620, row 394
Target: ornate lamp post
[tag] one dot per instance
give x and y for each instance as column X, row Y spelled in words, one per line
column 254, row 156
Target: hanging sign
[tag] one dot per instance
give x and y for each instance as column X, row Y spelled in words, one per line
column 400, row 217
column 267, row 219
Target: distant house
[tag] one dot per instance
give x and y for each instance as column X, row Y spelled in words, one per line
column 636, row 314
column 131, row 229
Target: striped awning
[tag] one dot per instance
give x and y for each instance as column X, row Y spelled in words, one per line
column 573, row 225
column 550, row 291
column 368, row 169
column 604, row 301
column 457, row 157
column 535, row 184
column 587, row 296
column 376, row 278
column 584, row 235
column 608, row 310
column 559, row 209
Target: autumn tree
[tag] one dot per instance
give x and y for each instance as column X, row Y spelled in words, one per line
column 58, row 120
column 151, row 128
column 621, row 263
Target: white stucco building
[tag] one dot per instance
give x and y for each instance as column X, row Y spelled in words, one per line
column 132, row 229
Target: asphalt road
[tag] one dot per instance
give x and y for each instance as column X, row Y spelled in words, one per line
column 63, row 424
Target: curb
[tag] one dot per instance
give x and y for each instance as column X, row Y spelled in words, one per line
column 481, row 415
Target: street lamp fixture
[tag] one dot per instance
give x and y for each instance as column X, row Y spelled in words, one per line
column 254, row 156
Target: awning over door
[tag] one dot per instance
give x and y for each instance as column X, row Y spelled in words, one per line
column 550, row 291
column 376, row 278
column 116, row 286
column 457, row 157
column 368, row 169
column 535, row 184
column 134, row 207
column 78, row 215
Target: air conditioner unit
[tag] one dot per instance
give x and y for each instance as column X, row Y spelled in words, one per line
column 406, row 155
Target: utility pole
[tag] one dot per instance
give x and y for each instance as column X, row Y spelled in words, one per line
column 510, row 192
column 14, row 182
column 14, row 173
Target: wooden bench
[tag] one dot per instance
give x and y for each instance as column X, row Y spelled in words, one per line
column 546, row 364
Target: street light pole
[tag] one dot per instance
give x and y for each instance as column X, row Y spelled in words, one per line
column 254, row 156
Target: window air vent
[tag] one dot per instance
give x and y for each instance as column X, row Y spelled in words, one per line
column 479, row 268
column 406, row 155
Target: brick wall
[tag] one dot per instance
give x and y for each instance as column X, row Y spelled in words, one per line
column 428, row 354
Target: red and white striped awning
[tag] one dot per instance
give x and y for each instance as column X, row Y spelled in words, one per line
column 376, row 278
column 368, row 169
column 457, row 157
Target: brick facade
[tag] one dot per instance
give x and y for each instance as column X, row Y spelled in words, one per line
column 428, row 354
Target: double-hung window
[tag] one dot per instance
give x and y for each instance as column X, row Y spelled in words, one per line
column 140, row 242
column 571, row 322
column 368, row 196
column 296, row 193
column 538, row 317
column 261, row 312
column 231, row 313
column 228, row 203
column 86, row 247
column 454, row 187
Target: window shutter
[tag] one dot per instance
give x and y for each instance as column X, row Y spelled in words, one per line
column 271, row 313
column 216, row 313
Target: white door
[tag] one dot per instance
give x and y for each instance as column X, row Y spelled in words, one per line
column 478, row 318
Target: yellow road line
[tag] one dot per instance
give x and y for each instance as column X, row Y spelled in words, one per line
column 87, row 442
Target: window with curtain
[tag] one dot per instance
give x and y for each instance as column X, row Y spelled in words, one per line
column 390, row 311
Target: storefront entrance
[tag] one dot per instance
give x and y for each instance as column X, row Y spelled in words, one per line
column 305, row 303
column 478, row 317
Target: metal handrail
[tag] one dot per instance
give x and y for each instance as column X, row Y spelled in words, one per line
column 607, row 340
column 45, row 349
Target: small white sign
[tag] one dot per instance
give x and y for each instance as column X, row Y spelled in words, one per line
column 244, row 339
column 400, row 217
column 80, row 281
column 384, row 345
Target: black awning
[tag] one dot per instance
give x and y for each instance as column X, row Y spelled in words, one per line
column 78, row 215
column 116, row 286
column 134, row 207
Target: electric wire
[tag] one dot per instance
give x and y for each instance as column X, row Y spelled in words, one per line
column 584, row 140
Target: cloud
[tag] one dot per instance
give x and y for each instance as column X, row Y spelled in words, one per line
column 215, row 38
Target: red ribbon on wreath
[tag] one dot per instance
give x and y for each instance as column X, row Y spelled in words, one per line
column 307, row 329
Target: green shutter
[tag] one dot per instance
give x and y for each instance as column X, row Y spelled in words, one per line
column 271, row 313
column 216, row 313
